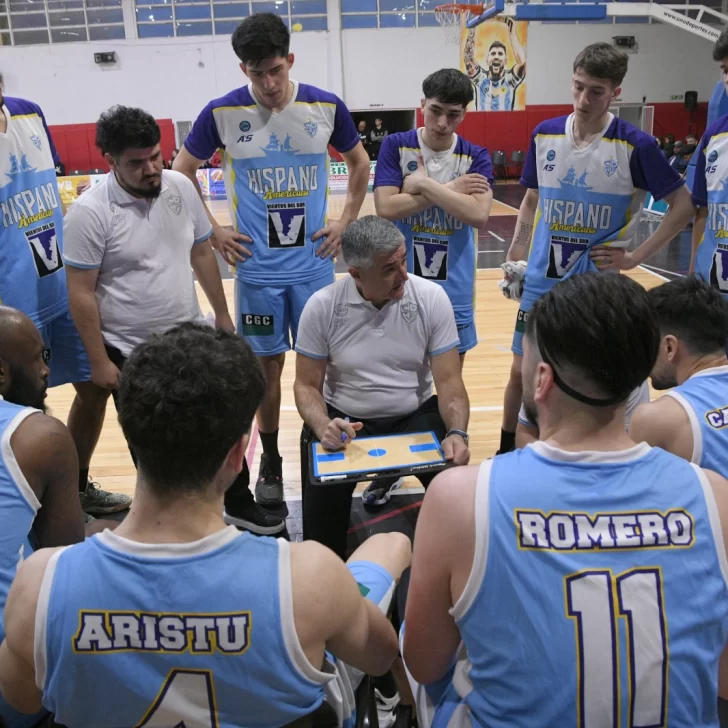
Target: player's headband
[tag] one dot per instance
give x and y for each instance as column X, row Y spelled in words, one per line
column 566, row 389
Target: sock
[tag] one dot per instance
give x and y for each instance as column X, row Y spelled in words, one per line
column 269, row 440
column 508, row 442
column 239, row 491
column 82, row 480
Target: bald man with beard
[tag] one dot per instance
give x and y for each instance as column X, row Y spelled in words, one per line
column 38, row 466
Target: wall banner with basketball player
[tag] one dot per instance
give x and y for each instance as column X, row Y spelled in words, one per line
column 494, row 57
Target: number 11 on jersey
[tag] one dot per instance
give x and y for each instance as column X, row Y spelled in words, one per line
column 596, row 600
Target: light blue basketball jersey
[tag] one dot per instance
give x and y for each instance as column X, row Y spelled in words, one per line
column 496, row 94
column 276, row 170
column 587, row 197
column 439, row 246
column 198, row 634
column 18, row 507
column 32, row 278
column 704, row 396
column 598, row 593
column 710, row 189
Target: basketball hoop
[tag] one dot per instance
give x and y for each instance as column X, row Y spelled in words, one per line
column 453, row 19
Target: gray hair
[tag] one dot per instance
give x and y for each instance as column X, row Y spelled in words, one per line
column 367, row 238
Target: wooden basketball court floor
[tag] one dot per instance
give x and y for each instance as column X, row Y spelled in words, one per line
column 485, row 374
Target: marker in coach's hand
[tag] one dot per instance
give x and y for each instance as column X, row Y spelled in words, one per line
column 343, row 434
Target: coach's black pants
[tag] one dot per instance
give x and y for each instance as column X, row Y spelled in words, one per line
column 327, row 508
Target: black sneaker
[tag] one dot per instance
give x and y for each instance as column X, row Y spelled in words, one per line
column 252, row 517
column 269, row 486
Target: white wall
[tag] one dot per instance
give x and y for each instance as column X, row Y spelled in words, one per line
column 175, row 78
column 669, row 61
column 169, row 78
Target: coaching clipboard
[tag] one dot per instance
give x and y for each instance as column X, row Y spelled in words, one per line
column 367, row 458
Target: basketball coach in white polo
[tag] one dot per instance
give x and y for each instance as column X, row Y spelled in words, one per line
column 132, row 244
column 368, row 349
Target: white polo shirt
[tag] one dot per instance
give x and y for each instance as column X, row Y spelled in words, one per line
column 378, row 359
column 142, row 252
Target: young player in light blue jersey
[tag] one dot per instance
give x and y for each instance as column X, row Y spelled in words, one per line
column 710, row 194
column 583, row 580
column 435, row 186
column 496, row 85
column 38, row 465
column 587, row 175
column 193, row 622
column 275, row 134
column 691, row 420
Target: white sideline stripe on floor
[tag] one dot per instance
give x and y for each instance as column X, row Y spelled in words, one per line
column 653, row 269
column 493, row 408
column 497, row 237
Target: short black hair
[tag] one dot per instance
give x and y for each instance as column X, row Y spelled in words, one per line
column 497, row 44
column 261, row 36
column 598, row 328
column 122, row 127
column 694, row 312
column 720, row 50
column 603, row 60
column 185, row 398
column 449, row 86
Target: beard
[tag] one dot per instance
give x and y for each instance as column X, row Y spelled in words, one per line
column 25, row 392
column 663, row 382
column 148, row 193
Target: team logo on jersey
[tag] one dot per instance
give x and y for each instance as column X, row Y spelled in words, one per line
column 275, row 145
column 718, row 418
column 719, row 268
column 412, row 166
column 610, row 167
column 430, row 258
column 174, row 203
column 44, row 245
column 410, row 311
column 311, row 128
column 254, row 324
column 571, row 180
column 37, row 143
column 550, row 155
column 244, row 126
column 341, row 309
column 563, row 255
column 712, row 156
column 287, row 225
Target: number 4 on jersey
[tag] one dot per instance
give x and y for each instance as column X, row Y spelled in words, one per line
column 595, row 600
column 185, row 700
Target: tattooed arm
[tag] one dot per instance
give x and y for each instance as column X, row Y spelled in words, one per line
column 524, row 227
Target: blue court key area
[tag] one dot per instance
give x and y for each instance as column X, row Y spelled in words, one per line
column 377, row 452
column 330, row 457
column 423, row 447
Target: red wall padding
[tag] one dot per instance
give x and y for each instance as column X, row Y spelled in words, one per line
column 76, row 145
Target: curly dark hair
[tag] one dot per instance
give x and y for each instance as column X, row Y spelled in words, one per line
column 261, row 36
column 185, row 398
column 122, row 128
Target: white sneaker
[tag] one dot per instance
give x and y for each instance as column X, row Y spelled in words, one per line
column 386, row 709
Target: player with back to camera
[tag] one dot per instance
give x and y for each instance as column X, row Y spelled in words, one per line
column 586, row 176
column 275, row 134
column 191, row 621
column 585, row 576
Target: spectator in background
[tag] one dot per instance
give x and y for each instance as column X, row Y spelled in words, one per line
column 679, row 161
column 669, row 146
column 377, row 136
column 175, row 152
column 363, row 136
column 691, row 139
column 660, row 143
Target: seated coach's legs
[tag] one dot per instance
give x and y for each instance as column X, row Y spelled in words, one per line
column 326, row 515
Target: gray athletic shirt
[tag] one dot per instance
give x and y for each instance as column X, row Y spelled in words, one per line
column 378, row 359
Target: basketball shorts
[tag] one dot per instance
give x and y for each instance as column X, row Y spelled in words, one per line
column 466, row 331
column 267, row 316
column 68, row 361
column 520, row 329
column 375, row 583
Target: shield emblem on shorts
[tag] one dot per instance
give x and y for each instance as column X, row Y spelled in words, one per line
column 409, row 311
column 174, row 202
